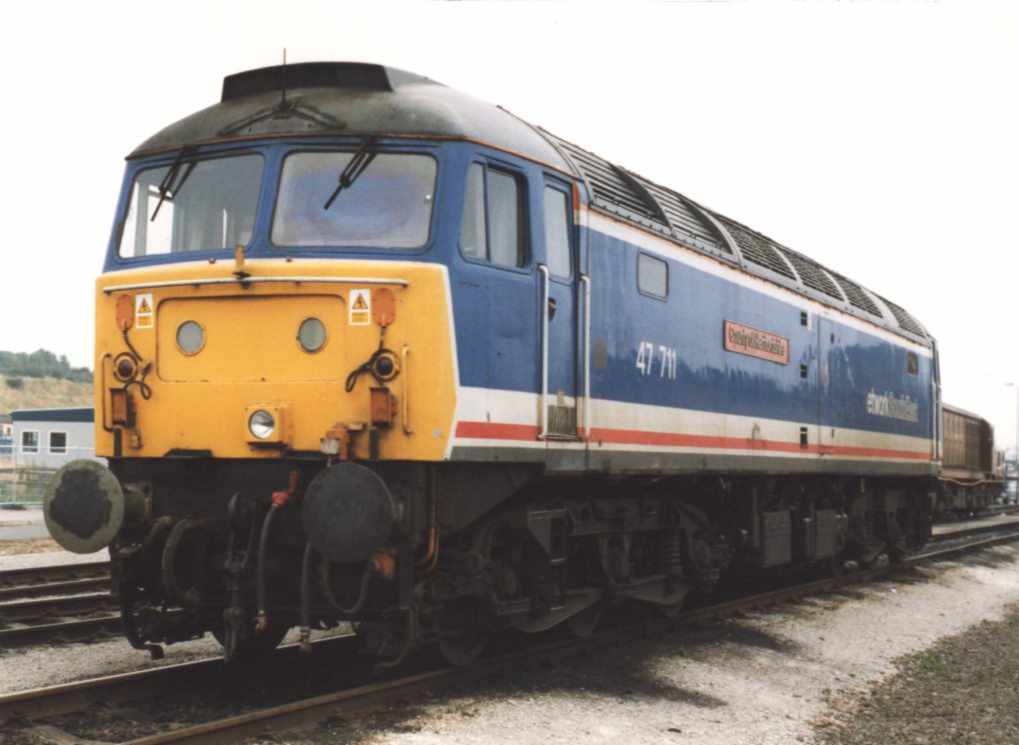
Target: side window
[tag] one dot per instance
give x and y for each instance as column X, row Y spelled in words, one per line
column 912, row 363
column 652, row 276
column 58, row 442
column 557, row 233
column 492, row 228
column 29, row 442
column 473, row 239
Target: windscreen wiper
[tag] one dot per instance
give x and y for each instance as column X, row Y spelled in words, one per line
column 361, row 160
column 167, row 190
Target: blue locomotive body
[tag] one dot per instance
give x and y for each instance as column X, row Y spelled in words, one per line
column 597, row 391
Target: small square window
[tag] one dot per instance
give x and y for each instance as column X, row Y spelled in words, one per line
column 58, row 442
column 30, row 442
column 652, row 276
column 912, row 363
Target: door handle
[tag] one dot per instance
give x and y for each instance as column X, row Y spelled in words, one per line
column 551, row 308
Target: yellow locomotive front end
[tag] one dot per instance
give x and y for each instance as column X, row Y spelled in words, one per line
column 275, row 359
column 275, row 372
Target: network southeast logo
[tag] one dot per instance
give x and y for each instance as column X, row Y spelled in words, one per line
column 889, row 405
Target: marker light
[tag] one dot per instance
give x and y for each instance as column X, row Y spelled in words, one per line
column 190, row 337
column 261, row 424
column 311, row 335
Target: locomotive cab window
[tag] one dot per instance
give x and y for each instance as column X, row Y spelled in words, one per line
column 192, row 205
column 912, row 363
column 557, row 233
column 492, row 229
column 652, row 276
column 387, row 204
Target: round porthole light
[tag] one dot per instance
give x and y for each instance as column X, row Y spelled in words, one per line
column 311, row 335
column 261, row 424
column 190, row 337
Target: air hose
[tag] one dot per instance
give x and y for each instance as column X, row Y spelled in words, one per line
column 306, row 598
column 262, row 618
column 362, row 596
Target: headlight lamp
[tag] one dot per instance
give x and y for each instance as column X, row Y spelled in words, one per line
column 261, row 424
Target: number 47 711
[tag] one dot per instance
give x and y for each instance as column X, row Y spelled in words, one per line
column 649, row 352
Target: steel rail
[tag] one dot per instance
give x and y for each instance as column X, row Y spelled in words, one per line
column 48, row 589
column 57, row 607
column 61, row 631
column 38, row 703
column 53, row 573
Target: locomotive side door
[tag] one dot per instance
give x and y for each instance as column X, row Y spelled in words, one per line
column 831, row 373
column 558, row 283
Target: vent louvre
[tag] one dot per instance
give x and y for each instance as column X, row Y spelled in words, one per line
column 756, row 248
column 906, row 321
column 637, row 200
column 812, row 274
column 858, row 297
column 684, row 220
column 610, row 189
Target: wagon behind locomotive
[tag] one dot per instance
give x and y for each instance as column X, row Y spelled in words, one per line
column 970, row 480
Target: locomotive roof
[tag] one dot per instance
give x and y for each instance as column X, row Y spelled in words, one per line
column 349, row 98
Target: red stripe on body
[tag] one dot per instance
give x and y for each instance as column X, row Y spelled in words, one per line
column 529, row 433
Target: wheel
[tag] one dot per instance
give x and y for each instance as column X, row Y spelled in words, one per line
column 464, row 632
column 253, row 647
column 582, row 625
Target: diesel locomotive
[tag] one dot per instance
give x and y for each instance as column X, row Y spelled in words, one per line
column 369, row 350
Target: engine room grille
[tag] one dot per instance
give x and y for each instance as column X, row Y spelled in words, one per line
column 611, row 189
column 858, row 297
column 646, row 204
column 684, row 220
column 812, row 275
column 906, row 321
column 756, row 248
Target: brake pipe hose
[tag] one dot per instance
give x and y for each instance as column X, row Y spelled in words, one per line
column 305, row 638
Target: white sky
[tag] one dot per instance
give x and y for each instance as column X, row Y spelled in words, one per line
column 879, row 138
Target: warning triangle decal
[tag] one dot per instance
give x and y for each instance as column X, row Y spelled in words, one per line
column 360, row 304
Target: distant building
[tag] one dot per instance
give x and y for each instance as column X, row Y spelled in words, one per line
column 6, row 434
column 48, row 438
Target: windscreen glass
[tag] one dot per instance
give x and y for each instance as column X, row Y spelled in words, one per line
column 192, row 205
column 388, row 204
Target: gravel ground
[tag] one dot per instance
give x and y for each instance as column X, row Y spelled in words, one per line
column 23, row 546
column 964, row 690
column 47, row 555
column 766, row 679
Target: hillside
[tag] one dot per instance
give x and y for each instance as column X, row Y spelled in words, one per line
column 43, row 393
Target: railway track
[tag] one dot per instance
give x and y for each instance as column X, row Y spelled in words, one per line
column 353, row 696
column 47, row 603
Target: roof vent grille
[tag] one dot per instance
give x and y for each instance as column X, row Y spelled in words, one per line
column 906, row 321
column 756, row 249
column 858, row 297
column 812, row 275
